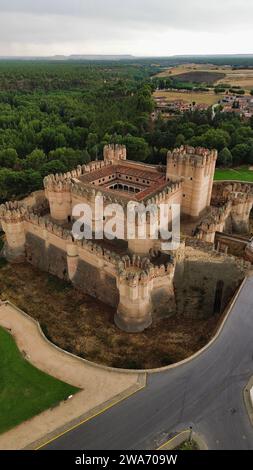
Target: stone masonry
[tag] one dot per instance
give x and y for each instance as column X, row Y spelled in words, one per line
column 134, row 276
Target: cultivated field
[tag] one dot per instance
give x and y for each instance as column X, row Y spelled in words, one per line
column 189, row 97
column 240, row 77
column 198, row 76
column 190, row 68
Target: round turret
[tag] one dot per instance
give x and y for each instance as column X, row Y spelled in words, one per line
column 12, row 215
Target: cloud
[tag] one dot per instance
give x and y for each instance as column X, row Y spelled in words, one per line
column 190, row 14
column 113, row 25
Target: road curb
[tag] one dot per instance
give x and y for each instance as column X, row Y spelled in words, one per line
column 72, row 425
column 181, row 437
column 247, row 394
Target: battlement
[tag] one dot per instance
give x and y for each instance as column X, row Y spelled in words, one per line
column 195, row 156
column 62, row 181
column 136, row 269
column 12, row 212
column 216, row 216
column 114, row 152
column 45, row 223
column 236, row 192
column 232, row 203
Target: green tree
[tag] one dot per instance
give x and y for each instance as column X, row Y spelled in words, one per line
column 137, row 148
column 240, row 153
column 53, row 167
column 8, row 157
column 225, row 157
column 35, row 160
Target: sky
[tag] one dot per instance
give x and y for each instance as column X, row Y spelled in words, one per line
column 137, row 27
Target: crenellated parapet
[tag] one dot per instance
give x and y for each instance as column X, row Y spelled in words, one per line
column 214, row 222
column 62, row 181
column 194, row 156
column 88, row 193
column 12, row 212
column 46, row 224
column 234, row 191
column 59, row 187
column 240, row 195
column 115, row 153
column 142, row 268
column 164, row 195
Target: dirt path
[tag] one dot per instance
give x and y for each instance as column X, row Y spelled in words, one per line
column 101, row 387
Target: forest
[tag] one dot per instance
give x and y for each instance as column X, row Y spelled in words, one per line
column 54, row 116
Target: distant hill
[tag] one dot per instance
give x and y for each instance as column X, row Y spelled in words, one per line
column 89, row 57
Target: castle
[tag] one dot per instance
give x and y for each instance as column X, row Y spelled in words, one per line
column 133, row 275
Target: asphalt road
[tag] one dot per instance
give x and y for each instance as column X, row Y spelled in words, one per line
column 206, row 393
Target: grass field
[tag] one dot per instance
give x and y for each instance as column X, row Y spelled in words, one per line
column 189, row 97
column 24, row 390
column 240, row 174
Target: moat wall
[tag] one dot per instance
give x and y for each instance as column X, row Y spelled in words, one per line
column 94, row 282
column 206, row 281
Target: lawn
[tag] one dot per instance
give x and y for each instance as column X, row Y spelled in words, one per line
column 188, row 445
column 239, row 174
column 24, row 390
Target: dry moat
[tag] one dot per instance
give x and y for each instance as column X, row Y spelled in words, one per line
column 84, row 326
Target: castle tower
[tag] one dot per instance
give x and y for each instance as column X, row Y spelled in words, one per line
column 240, row 212
column 135, row 286
column 144, row 289
column 115, row 153
column 58, row 193
column 195, row 167
column 12, row 216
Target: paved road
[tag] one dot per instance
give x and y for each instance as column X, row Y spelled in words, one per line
column 206, row 393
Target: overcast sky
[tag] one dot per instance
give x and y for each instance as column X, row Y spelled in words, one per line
column 138, row 27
